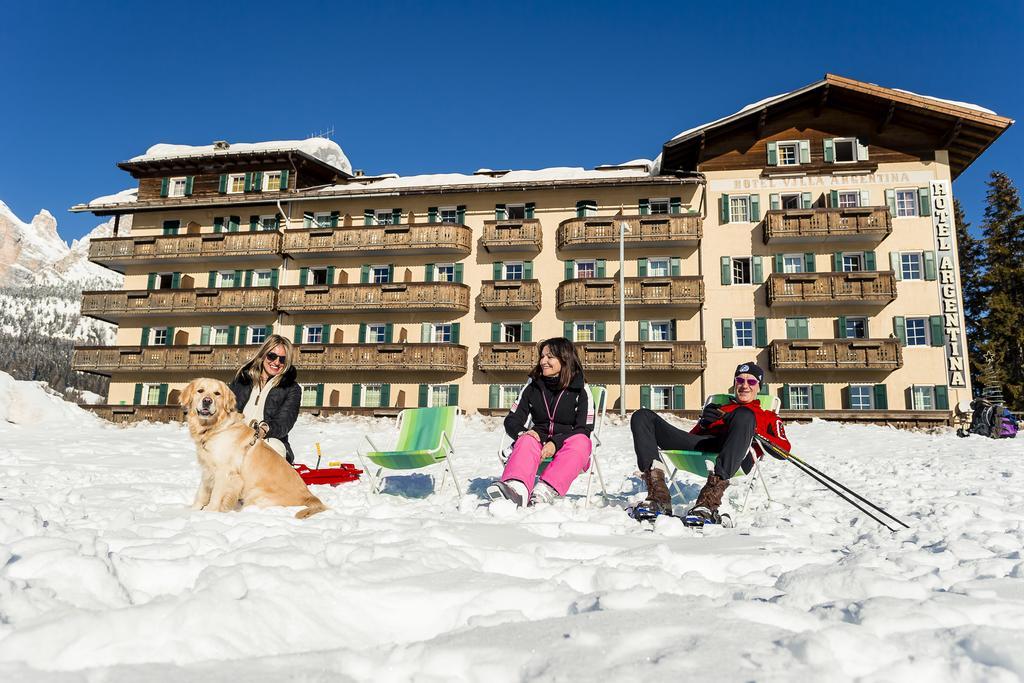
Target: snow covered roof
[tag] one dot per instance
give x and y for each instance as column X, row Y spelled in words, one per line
column 128, row 196
column 320, row 149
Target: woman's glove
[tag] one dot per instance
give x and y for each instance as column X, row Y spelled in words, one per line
column 261, row 428
column 710, row 414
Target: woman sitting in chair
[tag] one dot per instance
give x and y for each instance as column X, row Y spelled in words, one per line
column 555, row 402
column 726, row 429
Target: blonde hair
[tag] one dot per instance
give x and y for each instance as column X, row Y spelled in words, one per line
column 254, row 366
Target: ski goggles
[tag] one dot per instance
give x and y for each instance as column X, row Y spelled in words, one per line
column 750, row 382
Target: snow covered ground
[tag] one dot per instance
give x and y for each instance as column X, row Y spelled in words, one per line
column 105, row 575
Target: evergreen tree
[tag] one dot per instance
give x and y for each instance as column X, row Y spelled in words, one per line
column 971, row 254
column 1003, row 285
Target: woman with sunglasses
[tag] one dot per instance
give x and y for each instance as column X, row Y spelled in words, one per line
column 726, row 429
column 267, row 393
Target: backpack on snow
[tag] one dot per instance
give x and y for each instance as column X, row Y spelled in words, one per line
column 992, row 420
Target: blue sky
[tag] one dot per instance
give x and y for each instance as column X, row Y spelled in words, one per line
column 451, row 87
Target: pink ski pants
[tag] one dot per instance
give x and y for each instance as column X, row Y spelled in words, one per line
column 569, row 461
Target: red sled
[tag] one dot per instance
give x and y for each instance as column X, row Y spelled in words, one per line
column 332, row 476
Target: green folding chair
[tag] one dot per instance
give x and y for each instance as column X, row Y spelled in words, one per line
column 426, row 437
column 702, row 463
column 595, row 417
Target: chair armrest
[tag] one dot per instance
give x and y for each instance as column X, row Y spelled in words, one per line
column 373, row 446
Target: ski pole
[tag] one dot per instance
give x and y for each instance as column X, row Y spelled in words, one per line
column 825, row 478
column 828, row 486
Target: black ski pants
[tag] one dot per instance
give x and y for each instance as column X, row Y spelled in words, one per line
column 651, row 432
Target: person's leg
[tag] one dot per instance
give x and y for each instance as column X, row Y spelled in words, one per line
column 523, row 462
column 651, row 432
column 570, row 460
column 741, row 424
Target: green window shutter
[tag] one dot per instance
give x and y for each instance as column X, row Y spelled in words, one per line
column 254, row 223
column 495, row 332
column 528, row 211
column 675, row 205
column 941, row 397
column 881, row 399
column 726, row 333
column 284, row 180
column 837, row 262
column 773, row 154
column 726, row 270
column 792, row 329
column 325, row 338
column 431, row 218
column 218, row 224
column 833, row 199
column 758, row 270
column 368, row 217
column 895, row 266
column 755, row 208
column 806, row 200
column 760, row 332
column 333, row 222
column 567, row 330
column 644, row 207
column 319, row 395
column 175, row 280
column 233, row 223
column 268, row 330
column 645, row 396
column 581, row 208
column 678, row 397
column 862, row 149
column 803, row 329
column 396, row 216
column 297, row 335
column 528, row 270
column 460, row 214
column 498, row 270
column 248, row 278
column 841, row 327
column 170, row 337
column 779, row 265
column 829, row 150
column 391, row 272
column 145, row 337
column 232, row 331
column 164, row 184
column 330, row 275
column 257, row 181
column 601, row 265
column 723, row 209
column 364, row 274
column 890, row 201
column 774, row 202
column 423, row 390
column 222, row 185
column 453, row 394
column 929, row 265
column 389, row 333
column 204, row 335
column 189, row 182
column 676, row 266
column 362, row 333
column 570, row 269
column 357, row 393
column 456, row 328
column 499, row 212
column 924, row 201
column 248, row 182
column 937, row 336
column 171, row 227
column 425, row 333
column 844, row 397
column 492, row 395
column 274, row 275
column 162, row 399
column 784, row 396
column 458, row 272
column 527, row 331
column 600, row 331
column 865, row 198
column 899, row 328
column 645, row 330
column 238, row 278
column 818, row 396
column 805, row 151
column 151, row 281
column 870, row 261
column 428, row 272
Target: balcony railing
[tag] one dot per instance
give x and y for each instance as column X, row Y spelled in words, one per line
column 115, row 252
column 867, row 287
column 389, row 357
column 668, row 355
column 430, row 238
column 112, row 306
column 685, row 290
column 659, row 230
column 190, row 359
column 510, row 295
column 796, row 225
column 512, row 235
column 836, row 354
column 391, row 296
column 124, row 414
column 502, row 356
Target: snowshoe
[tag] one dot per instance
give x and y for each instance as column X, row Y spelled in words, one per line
column 700, row 516
column 648, row 511
column 500, row 490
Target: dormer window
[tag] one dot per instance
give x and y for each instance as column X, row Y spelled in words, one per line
column 236, row 183
column 789, row 154
column 271, row 181
column 176, row 187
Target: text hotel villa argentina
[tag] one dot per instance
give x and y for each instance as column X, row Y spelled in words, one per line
column 812, row 231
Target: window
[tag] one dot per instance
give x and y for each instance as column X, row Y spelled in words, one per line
column 318, row 276
column 380, row 274
column 862, row 397
column 906, row 203
column 383, row 217
column 448, row 214
column 658, row 267
column 789, row 153
column 257, row 334
column 586, row 269
column 158, row 337
column 743, row 333
column 739, row 209
column 514, row 270
column 438, row 395
column 853, row 263
column 444, row 272
column 271, row 181
column 793, row 263
column 516, row 212
column 313, row 334
column 586, row 208
column 176, row 187
column 799, row 397
column 661, row 397
column 661, row 330
column 371, row 395
column 791, row 201
column 376, row 333
column 741, row 270
column 309, row 395
column 856, row 328
column 164, row 281
column 442, row 333
column 507, row 395
column 150, row 394
column 261, row 278
column 226, row 278
column 849, row 200
column 512, row 332
column 845, row 150
column 219, row 335
column 910, row 265
column 322, row 219
column 917, row 331
column 585, row 332
column 236, row 183
column 660, row 205
column 923, row 397
column 268, row 222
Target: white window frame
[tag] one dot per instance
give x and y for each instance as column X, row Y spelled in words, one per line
column 584, row 324
column 267, row 175
column 383, row 217
column 160, row 281
column 506, row 325
column 903, row 266
column 578, row 266
column 153, row 332
column 257, row 274
column 853, row 318
column 835, row 150
column 659, row 201
column 147, row 387
column 735, row 204
column 370, row 330
column 436, row 333
column 442, row 210
column 840, row 194
column 507, row 394
column 652, row 260
column 664, row 394
column 791, row 195
column 308, row 390
column 511, row 264
column 176, row 186
column 312, row 275
column 869, row 389
column 364, row 398
column 215, row 332
column 925, row 328
column 251, row 331
column 795, row 144
column 750, row 269
column 913, row 208
column 232, row 178
column 432, row 391
column 858, row 255
column 322, row 219
column 376, row 270
column 517, row 207
column 928, row 396
column 307, row 333
column 223, row 275
column 668, row 330
column 264, row 219
column 736, row 333
column 793, row 259
column 437, row 272
column 795, row 389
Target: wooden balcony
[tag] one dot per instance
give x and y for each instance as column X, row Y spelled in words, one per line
column 660, row 230
column 113, row 306
column 392, row 296
column 813, row 225
column 685, row 290
column 597, row 356
column 506, row 356
column 510, row 295
column 512, row 235
column 103, row 360
column 863, row 287
column 836, row 354
column 125, row 414
column 379, row 240
column 384, row 357
column 116, row 252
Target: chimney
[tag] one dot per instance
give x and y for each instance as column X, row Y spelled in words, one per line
column 220, row 144
column 358, row 173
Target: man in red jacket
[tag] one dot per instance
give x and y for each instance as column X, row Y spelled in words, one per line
column 726, row 429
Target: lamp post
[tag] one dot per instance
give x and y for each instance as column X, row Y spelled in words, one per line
column 623, row 227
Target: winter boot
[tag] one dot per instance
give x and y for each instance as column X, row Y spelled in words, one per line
column 512, row 489
column 543, row 493
column 659, row 499
column 705, row 509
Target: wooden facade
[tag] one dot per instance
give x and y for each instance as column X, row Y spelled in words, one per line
column 379, row 240
column 660, row 230
column 646, row 292
column 510, row 295
column 170, row 250
column 512, row 235
column 115, row 306
column 849, row 288
column 447, row 297
column 836, row 354
column 816, row 224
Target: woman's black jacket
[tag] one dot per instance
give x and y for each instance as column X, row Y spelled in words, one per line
column 570, row 415
column 282, row 404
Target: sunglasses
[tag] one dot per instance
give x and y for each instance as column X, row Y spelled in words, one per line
column 271, row 356
column 740, row 381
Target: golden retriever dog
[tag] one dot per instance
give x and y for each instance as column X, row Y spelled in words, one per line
column 236, row 468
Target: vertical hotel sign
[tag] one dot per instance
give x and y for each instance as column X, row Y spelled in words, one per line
column 949, row 287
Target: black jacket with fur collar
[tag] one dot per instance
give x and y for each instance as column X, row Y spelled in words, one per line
column 282, row 404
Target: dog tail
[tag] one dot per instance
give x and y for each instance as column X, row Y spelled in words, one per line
column 313, row 506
